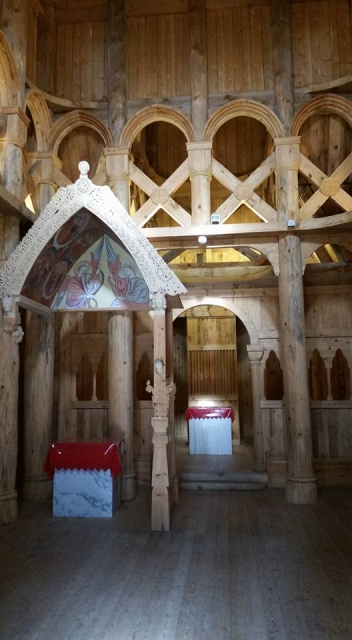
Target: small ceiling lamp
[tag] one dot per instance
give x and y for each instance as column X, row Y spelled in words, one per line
column 202, row 239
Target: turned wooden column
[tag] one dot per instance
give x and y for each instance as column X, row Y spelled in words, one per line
column 171, row 429
column 43, row 176
column 120, row 413
column 117, row 76
column 282, row 61
column 117, row 169
column 38, row 403
column 255, row 355
column 199, row 159
column 301, row 482
column 198, row 64
column 10, row 336
column 160, row 517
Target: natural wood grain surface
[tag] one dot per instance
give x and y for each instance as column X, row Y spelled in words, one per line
column 235, row 566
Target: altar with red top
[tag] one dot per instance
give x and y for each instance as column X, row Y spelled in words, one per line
column 210, row 430
column 87, row 477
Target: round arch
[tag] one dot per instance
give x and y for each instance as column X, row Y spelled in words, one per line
column 38, row 108
column 307, row 248
column 225, row 303
column 9, row 81
column 249, row 108
column 320, row 105
column 72, row 121
column 152, row 114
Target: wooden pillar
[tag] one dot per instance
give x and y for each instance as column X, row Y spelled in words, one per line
column 301, row 482
column 38, row 403
column 160, row 517
column 199, row 159
column 282, row 61
column 42, row 165
column 171, row 428
column 117, row 169
column 255, row 355
column 120, row 414
column 198, row 64
column 10, row 335
column 117, row 77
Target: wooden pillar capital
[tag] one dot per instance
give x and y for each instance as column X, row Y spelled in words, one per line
column 255, row 354
column 17, row 124
column 199, row 159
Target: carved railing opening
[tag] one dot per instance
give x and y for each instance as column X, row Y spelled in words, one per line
column 273, row 380
column 318, row 377
column 340, row 377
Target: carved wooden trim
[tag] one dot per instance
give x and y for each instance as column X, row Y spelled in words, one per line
column 249, row 108
column 71, row 121
column 38, row 108
column 102, row 203
column 329, row 103
column 153, row 114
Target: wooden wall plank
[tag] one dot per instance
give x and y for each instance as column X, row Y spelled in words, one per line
column 170, row 55
column 76, row 63
column 256, row 38
column 99, row 91
column 267, row 48
column 87, row 61
column 238, row 49
column 60, row 62
column 212, row 52
column 246, row 44
column 151, row 57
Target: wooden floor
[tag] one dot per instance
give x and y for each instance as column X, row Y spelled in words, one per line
column 236, row 566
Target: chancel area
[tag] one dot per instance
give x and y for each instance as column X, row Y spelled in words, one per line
column 175, row 319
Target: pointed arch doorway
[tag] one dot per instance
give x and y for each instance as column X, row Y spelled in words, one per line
column 212, row 368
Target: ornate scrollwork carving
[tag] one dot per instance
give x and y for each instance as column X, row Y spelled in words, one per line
column 161, row 399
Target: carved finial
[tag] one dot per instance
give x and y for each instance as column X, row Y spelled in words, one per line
column 83, row 169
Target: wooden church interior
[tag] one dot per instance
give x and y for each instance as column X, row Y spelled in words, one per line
column 223, row 128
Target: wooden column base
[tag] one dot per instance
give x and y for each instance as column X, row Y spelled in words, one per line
column 37, row 488
column 301, row 490
column 128, row 486
column 8, row 508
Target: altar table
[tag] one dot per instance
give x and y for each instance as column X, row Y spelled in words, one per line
column 210, row 430
column 87, row 477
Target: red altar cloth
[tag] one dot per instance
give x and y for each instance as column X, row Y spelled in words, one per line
column 86, row 455
column 209, row 412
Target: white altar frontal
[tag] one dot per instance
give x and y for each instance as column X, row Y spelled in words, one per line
column 210, row 430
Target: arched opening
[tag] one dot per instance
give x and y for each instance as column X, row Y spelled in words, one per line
column 212, row 369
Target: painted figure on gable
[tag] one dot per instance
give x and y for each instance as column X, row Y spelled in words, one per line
column 128, row 288
column 81, row 288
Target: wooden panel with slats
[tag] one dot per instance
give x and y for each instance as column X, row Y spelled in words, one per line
column 321, row 41
column 81, row 57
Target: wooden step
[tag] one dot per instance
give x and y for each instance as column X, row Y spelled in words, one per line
column 241, row 481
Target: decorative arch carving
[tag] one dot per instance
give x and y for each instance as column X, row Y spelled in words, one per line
column 72, row 121
column 103, row 204
column 152, row 114
column 38, row 108
column 9, row 80
column 309, row 247
column 249, row 108
column 329, row 103
column 231, row 305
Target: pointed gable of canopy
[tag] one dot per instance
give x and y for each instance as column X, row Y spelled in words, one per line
column 85, row 251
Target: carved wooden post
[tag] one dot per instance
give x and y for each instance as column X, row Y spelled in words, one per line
column 198, row 64
column 301, row 482
column 10, row 335
column 117, row 45
column 120, row 413
column 38, row 403
column 160, row 421
column 199, row 158
column 170, row 381
column 255, row 355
